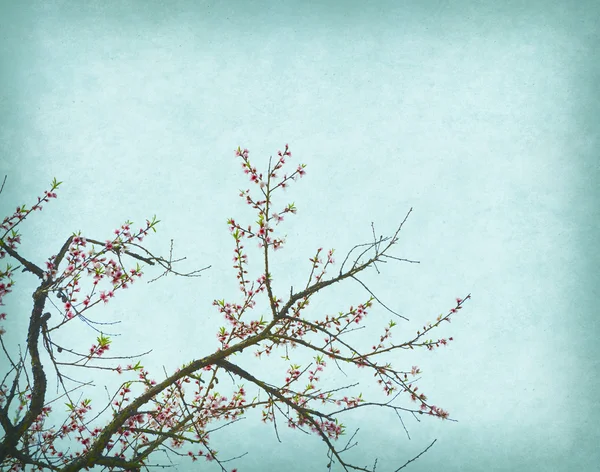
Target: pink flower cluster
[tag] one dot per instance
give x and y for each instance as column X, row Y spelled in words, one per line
column 10, row 239
column 96, row 264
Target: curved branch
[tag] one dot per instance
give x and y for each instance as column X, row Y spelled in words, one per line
column 306, row 413
column 38, row 391
column 30, row 266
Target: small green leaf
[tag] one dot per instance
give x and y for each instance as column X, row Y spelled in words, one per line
column 103, row 340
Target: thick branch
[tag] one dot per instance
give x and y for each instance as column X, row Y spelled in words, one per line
column 95, row 452
column 38, row 391
column 30, row 266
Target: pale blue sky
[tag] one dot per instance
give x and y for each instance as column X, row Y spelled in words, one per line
column 482, row 116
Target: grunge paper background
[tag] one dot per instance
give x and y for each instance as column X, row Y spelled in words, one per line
column 482, row 116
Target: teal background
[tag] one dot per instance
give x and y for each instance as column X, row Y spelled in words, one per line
column 483, row 116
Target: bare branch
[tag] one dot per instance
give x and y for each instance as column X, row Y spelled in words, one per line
column 416, row 457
